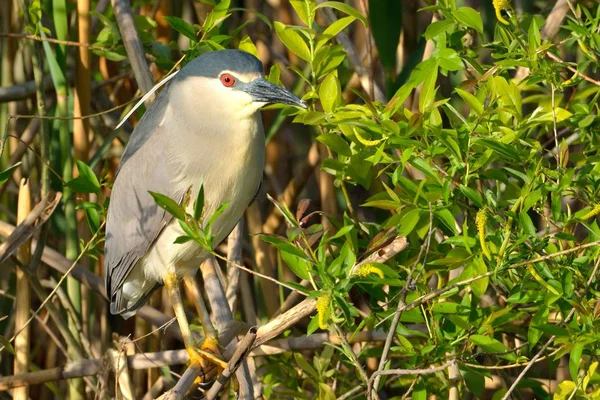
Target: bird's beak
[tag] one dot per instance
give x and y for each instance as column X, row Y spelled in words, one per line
column 263, row 91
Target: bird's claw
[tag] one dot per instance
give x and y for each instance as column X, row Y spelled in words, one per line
column 205, row 354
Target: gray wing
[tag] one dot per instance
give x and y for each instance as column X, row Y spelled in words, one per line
column 134, row 220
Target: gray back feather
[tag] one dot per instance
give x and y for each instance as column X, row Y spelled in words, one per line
column 134, row 220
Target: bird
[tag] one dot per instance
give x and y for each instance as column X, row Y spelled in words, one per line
column 203, row 129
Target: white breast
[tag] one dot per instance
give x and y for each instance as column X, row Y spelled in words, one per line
column 230, row 166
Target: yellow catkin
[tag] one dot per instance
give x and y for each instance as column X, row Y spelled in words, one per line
column 323, row 304
column 500, row 5
column 366, row 269
column 481, row 220
column 366, row 141
column 595, row 211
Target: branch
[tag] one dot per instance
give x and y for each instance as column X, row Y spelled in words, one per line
column 242, row 350
column 34, row 221
column 133, row 46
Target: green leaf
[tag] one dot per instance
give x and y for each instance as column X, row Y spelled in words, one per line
column 169, row 205
column 181, row 26
column 248, row 46
column 86, row 182
column 199, row 204
column 527, row 224
column 425, row 168
column 539, row 318
column 6, row 174
column 325, row 392
column 335, row 143
column 437, row 28
column 472, row 195
column 534, row 39
column 450, row 60
column 471, row 100
column 409, row 221
column 469, row 17
column 334, row 29
column 293, row 41
column 491, row 345
column 8, row 346
column 345, row 8
column 505, row 150
column 479, row 266
column 446, row 217
column 474, row 379
column 284, row 246
column 284, row 211
column 575, row 359
column 330, row 92
column 183, row 239
column 303, row 9
column 217, row 213
column 427, row 95
column 299, row 266
column 420, row 390
column 217, row 15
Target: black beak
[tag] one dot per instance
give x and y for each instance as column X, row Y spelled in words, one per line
column 264, row 91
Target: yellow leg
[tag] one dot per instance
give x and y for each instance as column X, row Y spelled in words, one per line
column 199, row 355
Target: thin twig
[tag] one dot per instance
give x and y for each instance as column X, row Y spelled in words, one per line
column 49, row 40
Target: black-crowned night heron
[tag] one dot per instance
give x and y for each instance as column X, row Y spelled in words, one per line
column 203, row 128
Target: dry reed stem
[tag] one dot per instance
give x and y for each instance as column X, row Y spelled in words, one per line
column 29, row 225
column 118, row 360
column 133, row 47
column 23, row 294
column 157, row 388
column 78, row 294
column 262, row 260
column 234, row 253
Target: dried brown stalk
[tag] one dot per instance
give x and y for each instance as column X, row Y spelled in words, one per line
column 23, row 291
column 29, row 225
column 133, row 46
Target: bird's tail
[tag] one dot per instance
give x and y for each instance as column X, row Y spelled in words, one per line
column 127, row 306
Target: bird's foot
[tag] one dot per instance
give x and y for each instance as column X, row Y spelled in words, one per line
column 205, row 354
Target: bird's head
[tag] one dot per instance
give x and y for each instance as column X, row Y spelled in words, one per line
column 233, row 80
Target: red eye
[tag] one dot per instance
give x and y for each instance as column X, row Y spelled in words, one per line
column 227, row 80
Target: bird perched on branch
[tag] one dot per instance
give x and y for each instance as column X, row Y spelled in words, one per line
column 205, row 129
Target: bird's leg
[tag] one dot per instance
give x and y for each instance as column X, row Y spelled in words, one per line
column 211, row 338
column 198, row 355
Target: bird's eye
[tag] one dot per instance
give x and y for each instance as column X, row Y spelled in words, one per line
column 227, row 80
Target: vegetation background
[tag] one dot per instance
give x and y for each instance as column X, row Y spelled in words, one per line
column 444, row 187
